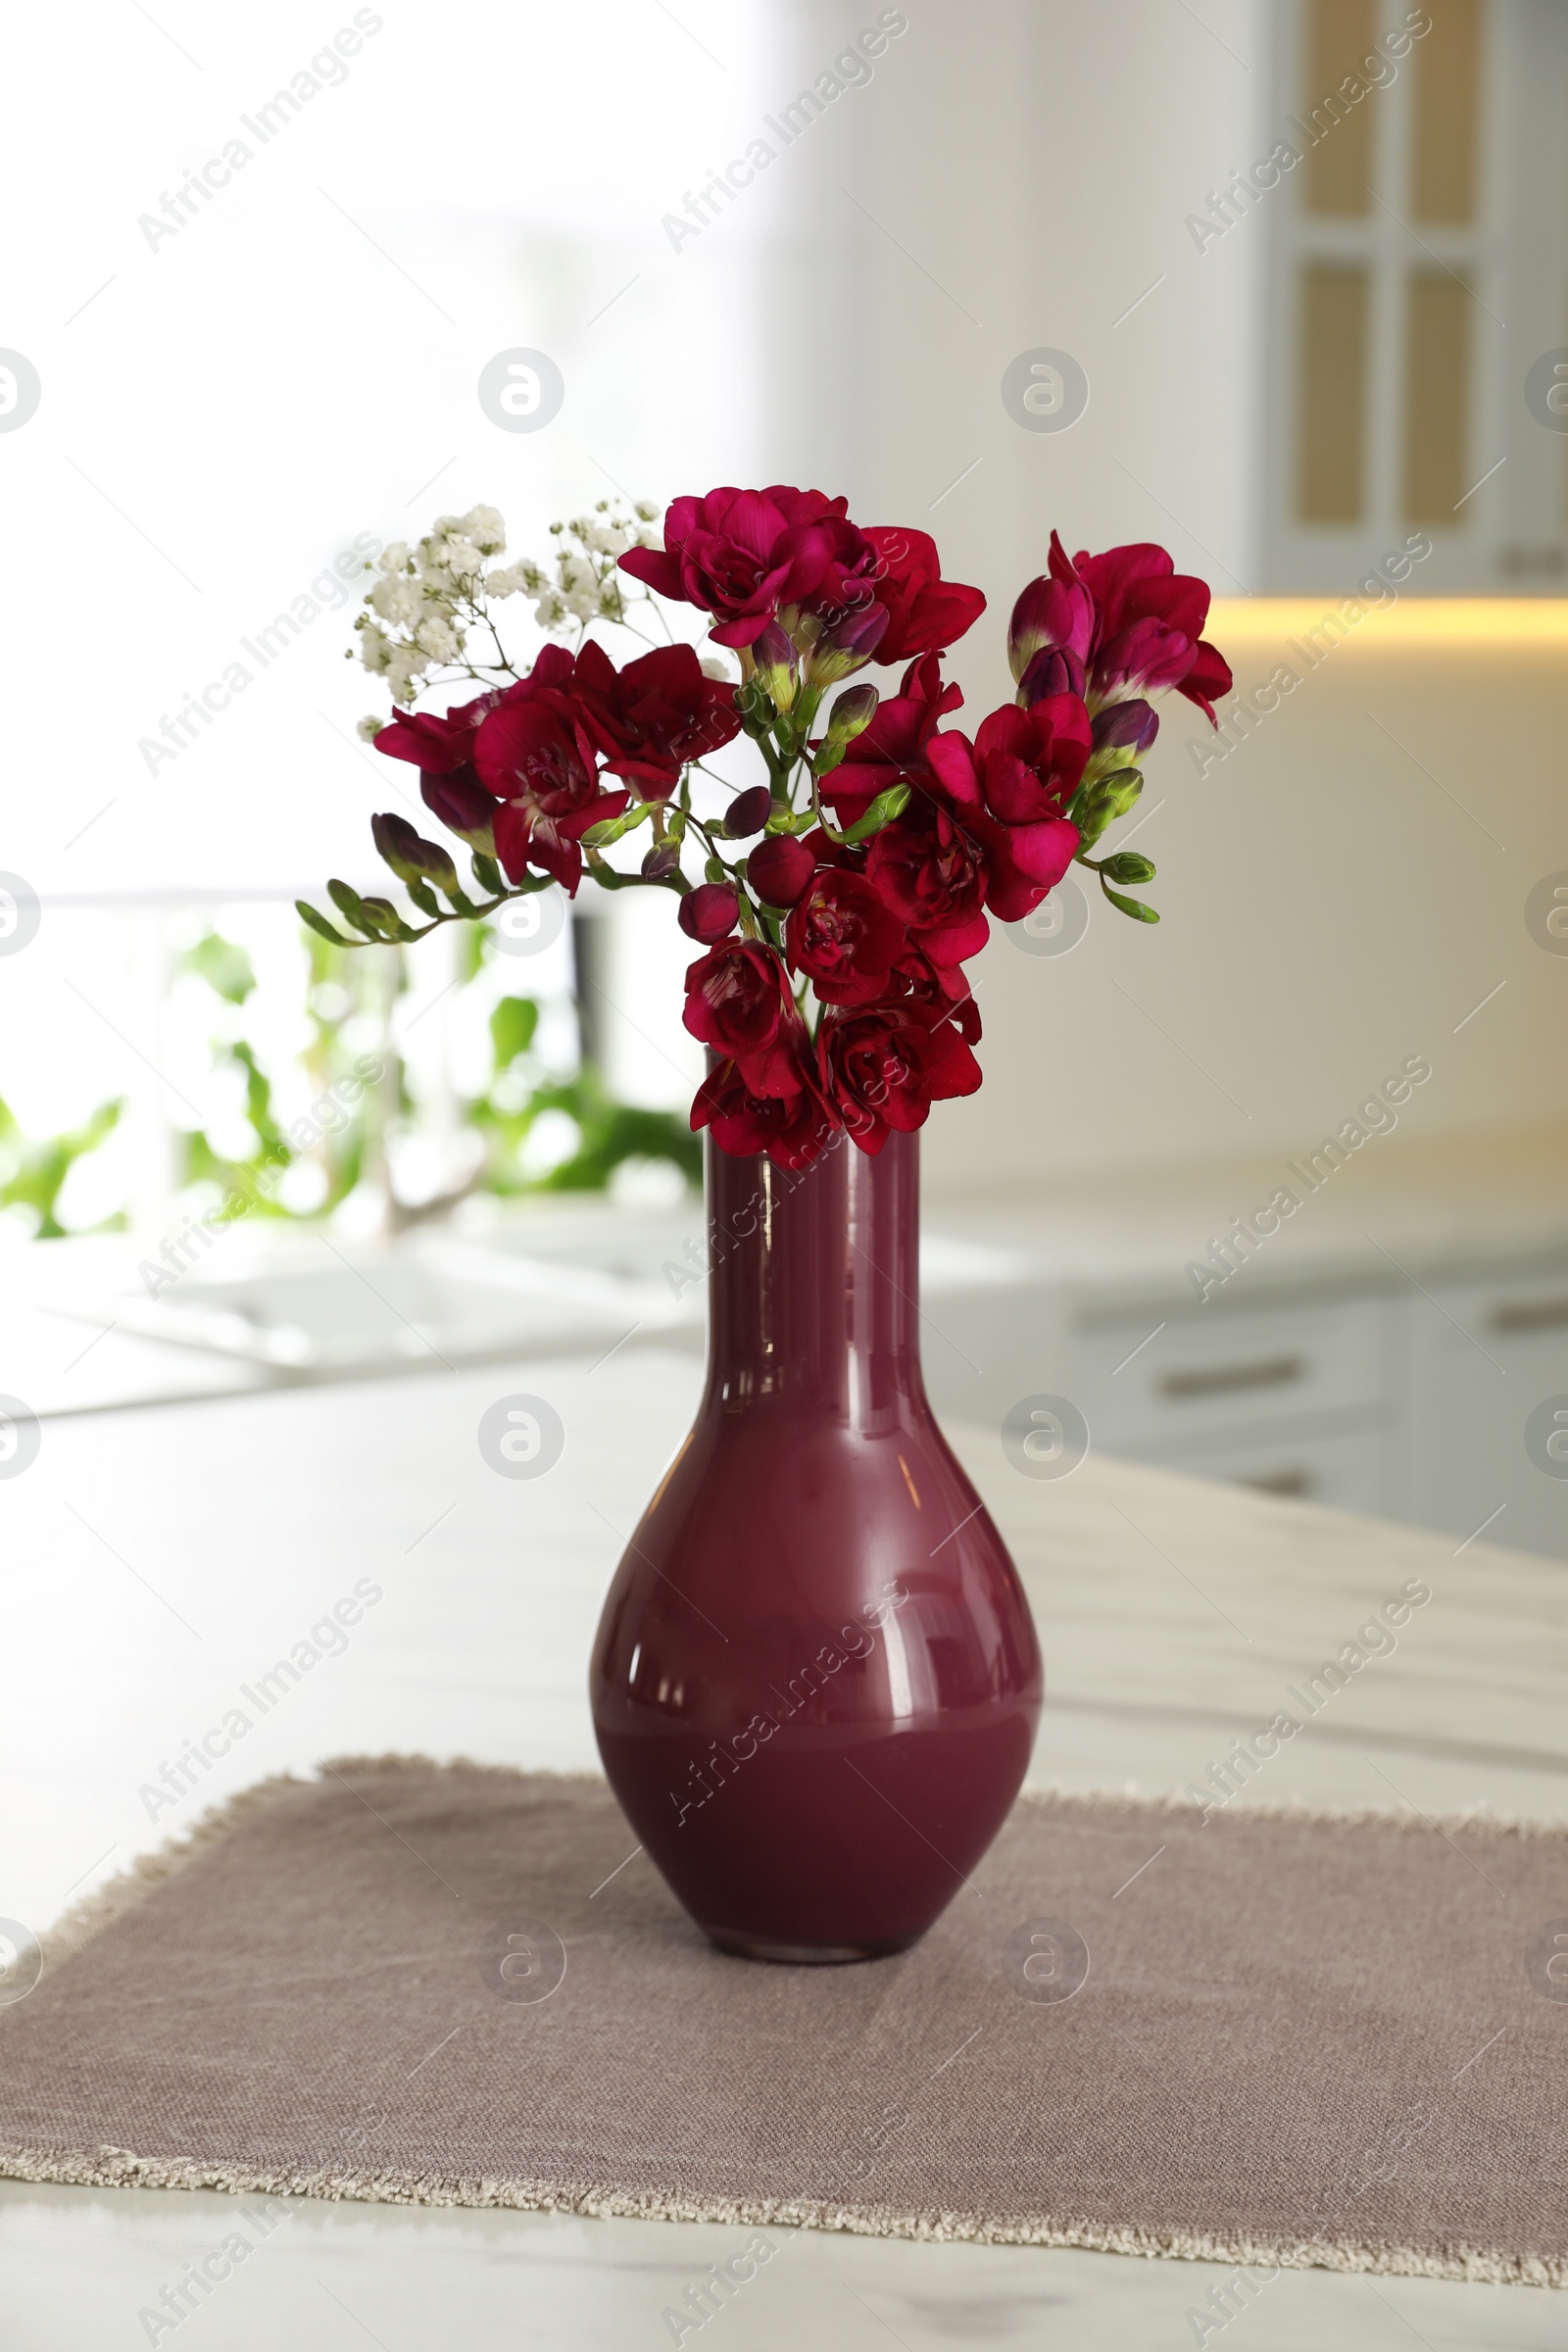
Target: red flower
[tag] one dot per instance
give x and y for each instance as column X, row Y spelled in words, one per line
column 792, row 1129
column 1149, row 620
column 883, row 1069
column 925, row 612
column 935, row 993
column 649, row 718
column 743, row 553
column 844, row 937
column 442, row 749
column 1012, row 784
column 892, row 750
column 738, row 1002
column 710, row 911
column 534, row 753
column 930, row 868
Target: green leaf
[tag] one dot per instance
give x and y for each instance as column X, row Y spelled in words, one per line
column 882, row 812
column 512, row 1023
column 226, row 968
column 1133, row 907
column 321, row 926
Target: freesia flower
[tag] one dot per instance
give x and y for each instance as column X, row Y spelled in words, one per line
column 844, row 936
column 741, row 555
column 1149, row 621
column 738, row 1002
column 649, row 718
column 791, row 1127
column 925, row 612
column 883, row 1069
column 892, row 748
column 1010, row 787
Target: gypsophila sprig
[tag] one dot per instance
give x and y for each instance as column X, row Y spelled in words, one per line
column 419, row 616
column 832, row 995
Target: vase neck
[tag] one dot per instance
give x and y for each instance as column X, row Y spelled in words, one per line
column 814, row 1281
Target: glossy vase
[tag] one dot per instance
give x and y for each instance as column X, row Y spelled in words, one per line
column 815, row 1682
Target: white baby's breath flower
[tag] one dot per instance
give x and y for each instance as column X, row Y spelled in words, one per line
column 643, row 510
column 394, row 558
column 461, row 558
column 550, row 611
column 368, row 729
column 505, row 583
column 608, row 539
column 486, row 527
column 404, row 665
column 375, row 648
column 533, row 574
column 438, row 637
column 712, row 667
column 575, row 573
column 397, row 599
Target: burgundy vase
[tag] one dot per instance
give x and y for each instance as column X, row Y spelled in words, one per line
column 815, row 1682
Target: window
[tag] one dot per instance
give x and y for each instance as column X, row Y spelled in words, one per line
column 1418, row 272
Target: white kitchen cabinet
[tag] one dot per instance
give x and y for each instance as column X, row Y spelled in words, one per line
column 1485, row 1355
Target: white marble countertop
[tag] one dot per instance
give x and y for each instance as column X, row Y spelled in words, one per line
column 155, row 1559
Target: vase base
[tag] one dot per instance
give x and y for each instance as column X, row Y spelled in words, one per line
column 805, row 1956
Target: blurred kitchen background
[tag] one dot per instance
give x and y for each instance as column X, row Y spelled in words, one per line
column 1283, row 283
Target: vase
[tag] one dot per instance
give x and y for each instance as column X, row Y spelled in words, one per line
column 815, row 1682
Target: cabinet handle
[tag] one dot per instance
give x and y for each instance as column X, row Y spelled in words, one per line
column 1532, row 1314
column 1286, row 1483
column 1275, row 1372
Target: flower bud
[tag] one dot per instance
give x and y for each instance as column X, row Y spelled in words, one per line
column 661, row 860
column 748, row 812
column 1049, row 671
column 1119, row 724
column 774, row 666
column 848, row 646
column 780, row 869
column 710, row 913
column 1054, row 616
column 851, row 713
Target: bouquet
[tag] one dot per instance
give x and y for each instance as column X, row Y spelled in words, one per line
column 830, row 988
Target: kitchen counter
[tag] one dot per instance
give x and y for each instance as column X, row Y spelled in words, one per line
column 156, row 1559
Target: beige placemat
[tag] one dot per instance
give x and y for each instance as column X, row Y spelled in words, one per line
column 1301, row 2040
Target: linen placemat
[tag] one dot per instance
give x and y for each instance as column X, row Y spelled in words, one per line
column 1270, row 2038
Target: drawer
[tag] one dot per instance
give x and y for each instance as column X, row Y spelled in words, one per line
column 1487, row 1358
column 1348, row 1473
column 1207, row 1372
